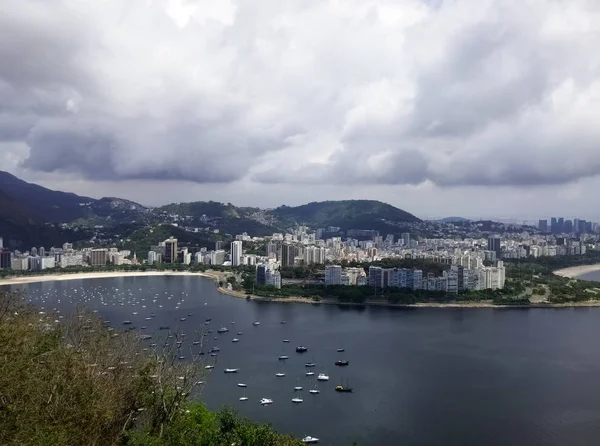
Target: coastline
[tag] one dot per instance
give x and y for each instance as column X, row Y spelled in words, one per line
column 574, row 272
column 97, row 275
column 571, row 272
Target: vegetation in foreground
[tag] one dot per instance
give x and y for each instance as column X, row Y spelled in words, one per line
column 77, row 383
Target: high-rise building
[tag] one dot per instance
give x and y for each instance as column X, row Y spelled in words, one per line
column 561, row 225
column 543, row 226
column 236, row 253
column 170, row 250
column 151, row 257
column 1, row 243
column 554, row 225
column 494, row 245
column 261, row 275
column 333, row 275
column 218, row 245
column 288, row 255
column 5, row 259
column 405, row 238
column 98, row 257
column 319, row 233
column 376, row 276
column 568, row 226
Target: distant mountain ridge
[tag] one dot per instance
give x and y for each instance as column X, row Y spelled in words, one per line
column 39, row 205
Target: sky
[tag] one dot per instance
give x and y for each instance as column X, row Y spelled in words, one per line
column 474, row 108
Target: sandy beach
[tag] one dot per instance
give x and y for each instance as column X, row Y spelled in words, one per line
column 97, row 275
column 576, row 271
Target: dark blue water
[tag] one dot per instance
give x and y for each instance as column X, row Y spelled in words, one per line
column 420, row 377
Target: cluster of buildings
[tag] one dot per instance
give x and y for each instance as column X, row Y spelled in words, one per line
column 169, row 252
column 560, row 225
column 456, row 279
column 38, row 259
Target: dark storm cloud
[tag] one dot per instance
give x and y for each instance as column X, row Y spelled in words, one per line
column 470, row 92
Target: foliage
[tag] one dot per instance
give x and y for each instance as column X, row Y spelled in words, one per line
column 347, row 214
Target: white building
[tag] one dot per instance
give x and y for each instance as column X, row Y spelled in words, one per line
column 152, row 257
column 236, row 253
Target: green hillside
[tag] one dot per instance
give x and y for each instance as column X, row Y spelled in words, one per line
column 347, row 214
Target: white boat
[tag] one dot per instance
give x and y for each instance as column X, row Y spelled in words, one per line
column 223, row 330
column 265, row 401
column 279, row 374
column 323, row 377
column 255, row 323
column 283, row 357
column 244, row 398
column 310, row 440
column 241, row 384
column 298, row 388
column 310, row 373
column 235, row 340
column 231, row 370
column 286, row 340
column 297, row 400
column 314, row 391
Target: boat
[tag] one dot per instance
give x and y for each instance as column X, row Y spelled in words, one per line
column 126, row 322
column 342, row 362
column 280, row 374
column 310, row 373
column 207, row 319
column 284, row 322
column 209, row 367
column 223, row 330
column 298, row 386
column 182, row 357
column 342, row 388
column 283, row 357
column 255, row 323
column 231, row 370
column 183, row 319
column 310, row 440
column 323, row 377
column 241, row 384
column 143, row 337
column 266, row 401
column 314, row 390
column 215, row 349
column 286, row 340
column 301, row 349
column 297, row 399
column 239, row 333
column 309, row 364
column 340, row 350
column 235, row 340
column 195, row 342
column 244, row 398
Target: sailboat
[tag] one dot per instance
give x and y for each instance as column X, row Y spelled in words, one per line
column 298, row 387
column 280, row 374
column 314, row 390
column 298, row 398
column 244, row 398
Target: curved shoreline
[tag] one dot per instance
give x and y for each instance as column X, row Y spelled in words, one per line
column 574, row 272
column 566, row 272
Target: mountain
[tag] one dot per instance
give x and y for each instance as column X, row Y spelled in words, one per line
column 32, row 214
column 347, row 214
column 20, row 229
column 56, row 206
column 226, row 218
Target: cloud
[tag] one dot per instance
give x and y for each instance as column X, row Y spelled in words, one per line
column 461, row 93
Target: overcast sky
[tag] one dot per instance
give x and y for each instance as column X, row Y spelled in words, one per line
column 441, row 107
